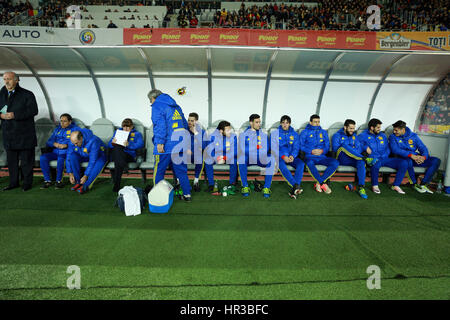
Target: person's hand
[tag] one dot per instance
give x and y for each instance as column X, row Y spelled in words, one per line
column 220, row 160
column 71, row 178
column 160, row 148
column 368, row 150
column 420, row 159
column 63, row 146
column 291, row 158
column 8, row 116
column 126, row 143
column 114, row 140
column 56, row 145
column 83, row 179
column 317, row 152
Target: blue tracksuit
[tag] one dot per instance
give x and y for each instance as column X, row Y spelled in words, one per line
column 254, row 149
column 348, row 152
column 410, row 144
column 286, row 144
column 93, row 150
column 227, row 147
column 170, row 128
column 61, row 136
column 379, row 145
column 135, row 141
column 199, row 142
column 314, row 137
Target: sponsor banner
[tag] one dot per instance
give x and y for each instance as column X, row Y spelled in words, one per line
column 435, row 41
column 61, row 36
column 185, row 36
column 266, row 38
column 435, row 128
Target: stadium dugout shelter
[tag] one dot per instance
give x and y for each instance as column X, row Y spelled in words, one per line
column 318, row 246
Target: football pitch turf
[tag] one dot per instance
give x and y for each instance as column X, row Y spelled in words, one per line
column 316, row 247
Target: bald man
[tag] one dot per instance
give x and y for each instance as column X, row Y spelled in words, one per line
column 85, row 147
column 18, row 108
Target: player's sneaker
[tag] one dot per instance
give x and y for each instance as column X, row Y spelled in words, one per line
column 210, row 188
column 292, row 194
column 245, row 191
column 362, row 193
column 46, row 185
column 419, row 188
column 325, row 188
column 187, row 198
column 196, row 187
column 76, row 187
column 317, row 187
column 82, row 190
column 424, row 187
column 398, row 189
column 266, row 192
column 59, row 185
column 376, row 189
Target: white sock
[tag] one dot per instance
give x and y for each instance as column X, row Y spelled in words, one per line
column 195, row 180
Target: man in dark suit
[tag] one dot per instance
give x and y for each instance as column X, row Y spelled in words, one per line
column 18, row 108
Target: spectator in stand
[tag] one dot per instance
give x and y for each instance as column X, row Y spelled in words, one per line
column 111, row 25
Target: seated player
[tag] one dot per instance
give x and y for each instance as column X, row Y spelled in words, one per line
column 314, row 145
column 59, row 141
column 222, row 149
column 122, row 155
column 254, row 149
column 85, row 147
column 407, row 145
column 199, row 142
column 349, row 152
column 375, row 143
column 286, row 146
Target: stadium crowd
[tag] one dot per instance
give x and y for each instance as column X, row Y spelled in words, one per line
column 397, row 15
column 437, row 111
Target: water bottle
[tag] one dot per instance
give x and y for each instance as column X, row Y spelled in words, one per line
column 439, row 187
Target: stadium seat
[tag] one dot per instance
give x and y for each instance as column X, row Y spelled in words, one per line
column 44, row 129
column 302, row 127
column 361, row 128
column 80, row 124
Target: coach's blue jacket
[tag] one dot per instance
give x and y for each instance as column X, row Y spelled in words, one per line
column 61, row 136
column 221, row 145
column 314, row 137
column 254, row 144
column 92, row 148
column 407, row 144
column 378, row 143
column 135, row 141
column 167, row 118
column 285, row 142
column 348, row 144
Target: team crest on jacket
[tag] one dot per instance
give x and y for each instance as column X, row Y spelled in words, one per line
column 321, row 135
column 410, row 141
column 381, row 138
column 227, row 144
column 68, row 131
column 176, row 115
column 292, row 137
column 85, row 150
column 132, row 134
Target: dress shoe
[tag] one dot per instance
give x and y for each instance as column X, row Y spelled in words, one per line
column 26, row 188
column 9, row 188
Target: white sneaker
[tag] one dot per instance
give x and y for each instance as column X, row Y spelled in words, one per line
column 424, row 187
column 398, row 189
column 376, row 190
column 317, row 187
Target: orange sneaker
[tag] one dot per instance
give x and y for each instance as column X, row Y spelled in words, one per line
column 326, row 188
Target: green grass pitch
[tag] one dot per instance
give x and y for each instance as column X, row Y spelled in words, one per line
column 316, row 247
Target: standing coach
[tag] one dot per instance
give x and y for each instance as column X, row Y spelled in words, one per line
column 18, row 108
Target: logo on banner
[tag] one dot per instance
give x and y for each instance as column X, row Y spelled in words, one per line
column 200, row 37
column 395, row 41
column 12, row 33
column 297, row 39
column 229, row 37
column 171, row 37
column 327, row 39
column 142, row 37
column 87, row 37
column 357, row 40
column 268, row 38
